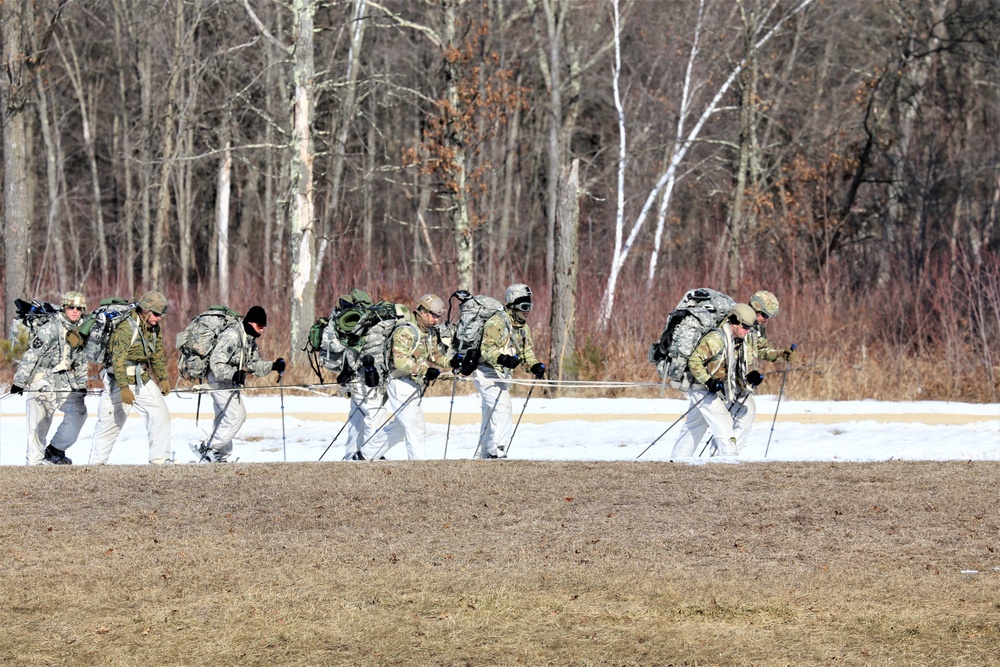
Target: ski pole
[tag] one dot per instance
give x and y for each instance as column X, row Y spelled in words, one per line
column 197, row 411
column 205, row 446
column 778, row 404
column 451, row 408
column 674, row 424
column 526, row 399
column 350, row 414
column 281, row 392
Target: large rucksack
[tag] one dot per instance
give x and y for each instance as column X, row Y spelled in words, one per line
column 196, row 342
column 361, row 330
column 473, row 312
column 28, row 318
column 700, row 311
column 98, row 325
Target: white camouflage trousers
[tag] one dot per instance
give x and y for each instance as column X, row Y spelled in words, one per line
column 729, row 430
column 408, row 425
column 369, row 403
column 230, row 415
column 111, row 415
column 497, row 423
column 41, row 407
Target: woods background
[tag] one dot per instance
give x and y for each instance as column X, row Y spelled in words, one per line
column 610, row 153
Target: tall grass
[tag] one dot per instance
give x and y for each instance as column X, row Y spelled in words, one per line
column 926, row 341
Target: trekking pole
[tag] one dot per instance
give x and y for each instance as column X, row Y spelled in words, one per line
column 778, row 404
column 205, row 446
column 674, row 424
column 526, row 399
column 350, row 413
column 197, row 410
column 281, row 392
column 451, row 408
column 387, row 422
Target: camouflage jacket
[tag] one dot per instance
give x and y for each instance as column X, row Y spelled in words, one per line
column 49, row 363
column 758, row 346
column 504, row 334
column 414, row 349
column 136, row 345
column 720, row 355
column 236, row 350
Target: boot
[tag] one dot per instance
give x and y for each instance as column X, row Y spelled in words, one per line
column 56, row 456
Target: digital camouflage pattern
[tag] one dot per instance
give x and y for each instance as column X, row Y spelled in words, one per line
column 698, row 312
column 235, row 350
column 50, row 363
column 198, row 340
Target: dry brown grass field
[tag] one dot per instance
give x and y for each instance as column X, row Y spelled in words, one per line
column 501, row 563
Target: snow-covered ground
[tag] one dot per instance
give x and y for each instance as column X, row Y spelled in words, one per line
column 571, row 429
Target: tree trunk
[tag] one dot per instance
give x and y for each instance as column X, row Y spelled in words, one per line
column 14, row 16
column 52, row 235
column 302, row 231
column 223, row 192
column 123, row 148
column 564, row 284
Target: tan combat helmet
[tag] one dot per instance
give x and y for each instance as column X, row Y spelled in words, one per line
column 433, row 304
column 74, row 299
column 744, row 314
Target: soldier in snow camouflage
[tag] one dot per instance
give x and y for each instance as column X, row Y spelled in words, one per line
column 54, row 373
column 414, row 349
column 719, row 367
column 235, row 354
column 137, row 378
column 506, row 345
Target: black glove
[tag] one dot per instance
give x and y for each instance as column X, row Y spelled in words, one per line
column 508, row 361
column 754, row 378
column 431, row 375
column 456, row 361
column 278, row 365
column 14, row 389
column 82, row 390
column 470, row 362
column 538, row 370
column 240, row 377
column 715, row 385
column 345, row 375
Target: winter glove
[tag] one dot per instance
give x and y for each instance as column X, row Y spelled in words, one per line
column 164, row 387
column 538, row 370
column 82, row 390
column 15, row 389
column 508, row 361
column 278, row 365
column 455, row 361
column 128, row 398
column 431, row 375
column 74, row 339
column 240, row 377
column 754, row 378
column 715, row 385
column 469, row 363
column 345, row 375
column 788, row 355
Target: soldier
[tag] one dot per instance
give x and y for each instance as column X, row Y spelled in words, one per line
column 235, row 354
column 54, row 372
column 137, row 378
column 413, row 350
column 719, row 368
column 506, row 345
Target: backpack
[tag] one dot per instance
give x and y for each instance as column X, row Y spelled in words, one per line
column 359, row 330
column 29, row 317
column 325, row 344
column 98, row 325
column 196, row 342
column 700, row 311
column 473, row 312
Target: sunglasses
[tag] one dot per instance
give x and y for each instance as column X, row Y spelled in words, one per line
column 80, row 308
